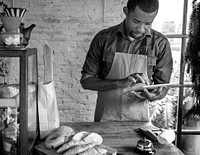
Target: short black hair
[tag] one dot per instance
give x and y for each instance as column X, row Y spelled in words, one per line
column 147, row 6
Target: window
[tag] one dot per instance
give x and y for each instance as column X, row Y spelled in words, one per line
column 172, row 20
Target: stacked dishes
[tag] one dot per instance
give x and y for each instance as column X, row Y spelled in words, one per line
column 11, row 22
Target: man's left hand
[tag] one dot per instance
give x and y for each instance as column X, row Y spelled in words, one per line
column 149, row 95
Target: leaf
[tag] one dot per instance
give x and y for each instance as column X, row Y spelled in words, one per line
column 163, row 112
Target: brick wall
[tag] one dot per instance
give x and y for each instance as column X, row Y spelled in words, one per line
column 68, row 26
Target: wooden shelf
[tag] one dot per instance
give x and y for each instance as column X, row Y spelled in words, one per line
column 9, row 102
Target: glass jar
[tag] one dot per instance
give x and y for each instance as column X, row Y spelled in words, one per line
column 10, row 135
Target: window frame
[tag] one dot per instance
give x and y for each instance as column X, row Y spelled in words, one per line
column 179, row 131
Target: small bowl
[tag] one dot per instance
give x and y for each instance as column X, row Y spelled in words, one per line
column 11, row 39
column 15, row 12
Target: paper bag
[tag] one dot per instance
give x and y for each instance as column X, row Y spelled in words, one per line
column 47, row 103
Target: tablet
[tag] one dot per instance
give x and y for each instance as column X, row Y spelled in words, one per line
column 149, row 87
column 156, row 86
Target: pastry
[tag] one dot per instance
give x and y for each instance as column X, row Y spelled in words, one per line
column 58, row 137
column 81, row 138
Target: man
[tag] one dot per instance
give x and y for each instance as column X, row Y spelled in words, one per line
column 121, row 57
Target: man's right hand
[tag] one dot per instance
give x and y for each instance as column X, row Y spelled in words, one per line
column 127, row 82
column 97, row 84
column 133, row 79
column 140, row 78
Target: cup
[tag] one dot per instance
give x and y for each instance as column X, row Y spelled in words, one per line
column 166, row 136
column 11, row 24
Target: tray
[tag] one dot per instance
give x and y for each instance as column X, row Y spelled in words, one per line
column 43, row 151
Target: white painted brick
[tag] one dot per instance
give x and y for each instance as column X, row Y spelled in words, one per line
column 68, row 26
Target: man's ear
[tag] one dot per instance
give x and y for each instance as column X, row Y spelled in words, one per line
column 125, row 9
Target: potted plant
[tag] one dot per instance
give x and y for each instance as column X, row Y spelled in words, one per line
column 191, row 119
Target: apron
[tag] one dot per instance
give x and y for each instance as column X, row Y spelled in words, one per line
column 113, row 105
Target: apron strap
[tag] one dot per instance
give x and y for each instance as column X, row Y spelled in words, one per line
column 119, row 43
column 147, row 42
column 143, row 49
column 148, row 51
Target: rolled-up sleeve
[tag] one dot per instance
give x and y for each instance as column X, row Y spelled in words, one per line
column 92, row 62
column 164, row 64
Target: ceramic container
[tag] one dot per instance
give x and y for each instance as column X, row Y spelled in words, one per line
column 11, row 24
column 11, row 39
column 15, row 12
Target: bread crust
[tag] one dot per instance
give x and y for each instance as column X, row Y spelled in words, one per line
column 58, row 137
column 81, row 138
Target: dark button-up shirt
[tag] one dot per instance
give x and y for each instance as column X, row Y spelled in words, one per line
column 104, row 45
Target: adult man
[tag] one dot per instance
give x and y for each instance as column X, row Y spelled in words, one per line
column 123, row 55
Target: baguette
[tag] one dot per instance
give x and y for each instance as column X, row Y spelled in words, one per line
column 78, row 149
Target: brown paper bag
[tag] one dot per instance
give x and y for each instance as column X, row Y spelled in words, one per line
column 47, row 103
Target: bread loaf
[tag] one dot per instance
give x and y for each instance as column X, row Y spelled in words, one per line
column 58, row 137
column 90, row 151
column 78, row 149
column 81, row 138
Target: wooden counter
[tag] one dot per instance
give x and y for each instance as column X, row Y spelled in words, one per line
column 122, row 137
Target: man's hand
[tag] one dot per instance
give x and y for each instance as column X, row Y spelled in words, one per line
column 140, row 78
column 127, row 82
column 137, row 81
column 149, row 95
column 133, row 79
